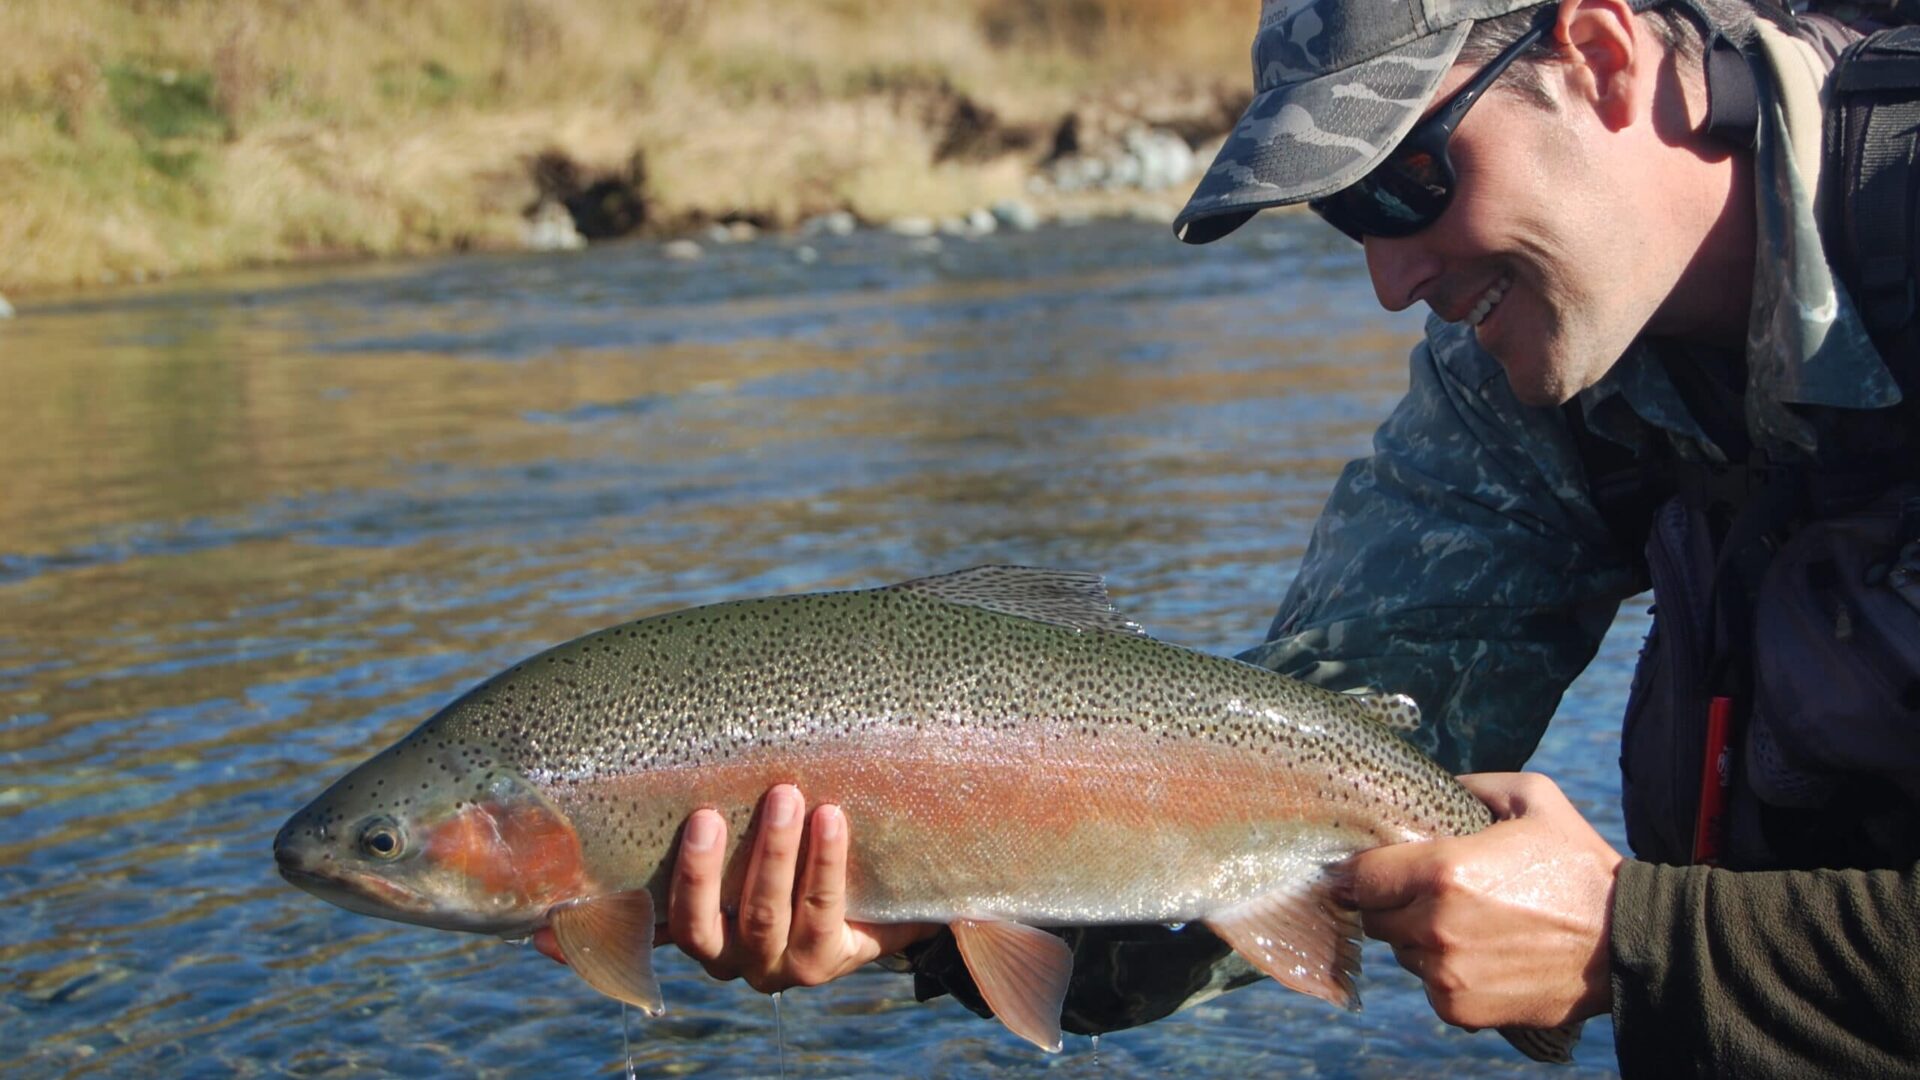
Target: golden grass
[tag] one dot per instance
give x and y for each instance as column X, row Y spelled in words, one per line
column 169, row 136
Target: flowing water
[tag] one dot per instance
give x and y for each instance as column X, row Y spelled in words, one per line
column 253, row 529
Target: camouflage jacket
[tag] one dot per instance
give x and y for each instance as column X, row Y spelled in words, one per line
column 1466, row 563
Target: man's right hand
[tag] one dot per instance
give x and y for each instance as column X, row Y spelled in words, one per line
column 1508, row 926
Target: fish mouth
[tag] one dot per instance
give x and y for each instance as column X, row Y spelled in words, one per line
column 363, row 894
column 370, row 894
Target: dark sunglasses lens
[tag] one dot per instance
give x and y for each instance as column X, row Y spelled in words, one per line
column 1403, row 195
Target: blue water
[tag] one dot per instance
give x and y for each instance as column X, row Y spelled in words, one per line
column 253, row 529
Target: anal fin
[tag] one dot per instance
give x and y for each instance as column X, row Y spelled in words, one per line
column 1022, row 974
column 609, row 941
column 1301, row 937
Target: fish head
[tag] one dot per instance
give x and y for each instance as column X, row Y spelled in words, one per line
column 436, row 833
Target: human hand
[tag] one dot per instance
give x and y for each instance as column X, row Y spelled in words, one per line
column 1508, row 926
column 782, row 936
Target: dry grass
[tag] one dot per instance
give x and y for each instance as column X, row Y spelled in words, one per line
column 168, row 136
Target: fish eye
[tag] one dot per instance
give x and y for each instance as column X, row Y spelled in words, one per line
column 381, row 838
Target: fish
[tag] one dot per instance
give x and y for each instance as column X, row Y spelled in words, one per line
column 1013, row 752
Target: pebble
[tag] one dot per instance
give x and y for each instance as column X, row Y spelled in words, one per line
column 926, row 245
column 837, row 223
column 1165, row 160
column 6, row 309
column 1016, row 215
column 732, row 232
column 551, row 228
column 912, row 226
column 1148, row 159
column 806, row 254
column 681, row 249
column 980, row 221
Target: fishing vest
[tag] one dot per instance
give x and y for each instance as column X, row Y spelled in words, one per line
column 1774, row 718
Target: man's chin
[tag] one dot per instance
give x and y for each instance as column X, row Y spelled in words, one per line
column 1535, row 381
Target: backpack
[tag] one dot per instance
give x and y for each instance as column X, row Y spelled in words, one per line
column 1774, row 720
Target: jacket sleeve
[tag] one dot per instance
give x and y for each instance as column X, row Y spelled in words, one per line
column 1800, row 973
column 1464, row 563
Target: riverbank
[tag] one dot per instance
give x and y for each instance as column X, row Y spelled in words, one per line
column 149, row 139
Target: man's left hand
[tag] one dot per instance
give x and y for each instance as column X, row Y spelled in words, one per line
column 1508, row 926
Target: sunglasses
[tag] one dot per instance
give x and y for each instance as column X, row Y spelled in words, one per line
column 1411, row 189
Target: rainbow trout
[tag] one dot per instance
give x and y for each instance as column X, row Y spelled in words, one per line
column 1012, row 754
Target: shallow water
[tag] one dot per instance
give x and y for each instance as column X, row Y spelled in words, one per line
column 253, row 529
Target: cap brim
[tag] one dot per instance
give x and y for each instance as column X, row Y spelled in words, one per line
column 1305, row 139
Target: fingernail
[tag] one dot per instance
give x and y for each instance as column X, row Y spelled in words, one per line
column 831, row 823
column 703, row 828
column 781, row 802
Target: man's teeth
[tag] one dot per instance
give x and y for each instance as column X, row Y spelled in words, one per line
column 1489, row 300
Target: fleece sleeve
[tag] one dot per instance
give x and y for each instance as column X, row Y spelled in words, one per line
column 1779, row 974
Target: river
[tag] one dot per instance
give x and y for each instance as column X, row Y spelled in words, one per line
column 253, row 528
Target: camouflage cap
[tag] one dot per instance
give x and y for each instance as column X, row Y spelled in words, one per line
column 1337, row 83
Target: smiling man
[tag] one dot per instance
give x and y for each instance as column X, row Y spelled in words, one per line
column 1642, row 366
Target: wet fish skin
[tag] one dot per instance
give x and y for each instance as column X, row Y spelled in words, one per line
column 1012, row 752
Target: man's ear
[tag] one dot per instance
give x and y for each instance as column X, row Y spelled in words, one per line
column 1605, row 48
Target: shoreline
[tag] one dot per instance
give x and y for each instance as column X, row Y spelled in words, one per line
column 141, row 145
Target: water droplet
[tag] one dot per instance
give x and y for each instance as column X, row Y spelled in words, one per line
column 626, row 1041
column 779, row 1036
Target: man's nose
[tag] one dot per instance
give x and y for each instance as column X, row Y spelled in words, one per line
column 1401, row 270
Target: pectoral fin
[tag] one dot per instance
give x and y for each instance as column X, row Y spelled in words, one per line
column 609, row 941
column 1021, row 972
column 1552, row 1045
column 1301, row 937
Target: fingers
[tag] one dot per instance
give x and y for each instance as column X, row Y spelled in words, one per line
column 1510, row 795
column 820, row 914
column 790, row 928
column 548, row 945
column 766, row 894
column 1389, row 877
column 694, row 921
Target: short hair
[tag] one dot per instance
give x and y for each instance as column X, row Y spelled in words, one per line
column 1672, row 25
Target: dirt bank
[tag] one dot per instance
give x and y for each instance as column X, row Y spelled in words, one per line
column 143, row 138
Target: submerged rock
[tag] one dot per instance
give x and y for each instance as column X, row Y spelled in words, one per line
column 681, row 249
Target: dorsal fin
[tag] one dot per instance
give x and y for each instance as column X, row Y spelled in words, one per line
column 1068, row 598
column 1397, row 712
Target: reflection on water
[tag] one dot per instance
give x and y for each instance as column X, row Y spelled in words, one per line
column 252, row 530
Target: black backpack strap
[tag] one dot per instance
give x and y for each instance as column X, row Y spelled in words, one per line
column 1733, row 98
column 1872, row 146
column 1627, row 488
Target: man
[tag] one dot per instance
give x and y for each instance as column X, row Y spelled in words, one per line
column 1624, row 262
